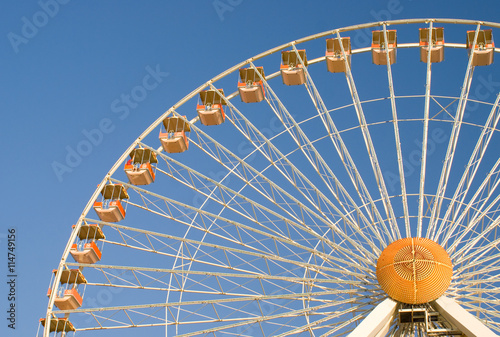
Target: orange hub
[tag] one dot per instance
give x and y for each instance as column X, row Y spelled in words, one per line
column 414, row 270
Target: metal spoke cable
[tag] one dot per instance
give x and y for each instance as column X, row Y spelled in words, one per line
column 396, row 234
column 344, row 154
column 473, row 165
column 452, row 144
column 397, row 137
column 425, row 136
column 313, row 156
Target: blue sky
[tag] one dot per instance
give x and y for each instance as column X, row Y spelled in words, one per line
column 72, row 72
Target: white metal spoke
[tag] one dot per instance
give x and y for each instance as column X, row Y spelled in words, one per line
column 425, row 136
column 292, row 174
column 247, row 207
column 258, row 180
column 109, row 317
column 471, row 168
column 312, row 325
column 450, row 152
column 479, row 258
column 143, row 278
column 399, row 151
column 344, row 154
column 173, row 210
column 480, row 235
column 396, row 234
column 252, row 321
column 233, row 256
column 488, row 186
column 314, row 158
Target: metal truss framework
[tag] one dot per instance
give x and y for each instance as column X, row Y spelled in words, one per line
column 277, row 231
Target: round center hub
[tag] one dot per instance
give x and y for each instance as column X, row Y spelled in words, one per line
column 414, row 270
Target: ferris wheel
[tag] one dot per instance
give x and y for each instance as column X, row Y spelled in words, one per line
column 341, row 184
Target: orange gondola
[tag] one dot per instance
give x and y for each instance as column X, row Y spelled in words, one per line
column 379, row 53
column 251, row 88
column 86, row 250
column 139, row 169
column 334, row 57
column 484, row 49
column 292, row 72
column 110, row 209
column 68, row 297
column 174, row 139
column 436, row 41
column 59, row 324
column 211, row 111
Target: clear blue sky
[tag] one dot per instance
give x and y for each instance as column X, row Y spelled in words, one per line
column 68, row 73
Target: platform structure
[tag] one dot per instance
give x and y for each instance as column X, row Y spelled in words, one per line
column 442, row 317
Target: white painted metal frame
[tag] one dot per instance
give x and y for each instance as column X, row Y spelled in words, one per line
column 269, row 234
column 458, row 316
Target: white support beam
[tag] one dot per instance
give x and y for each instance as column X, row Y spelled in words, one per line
column 467, row 323
column 425, row 136
column 378, row 322
column 397, row 138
